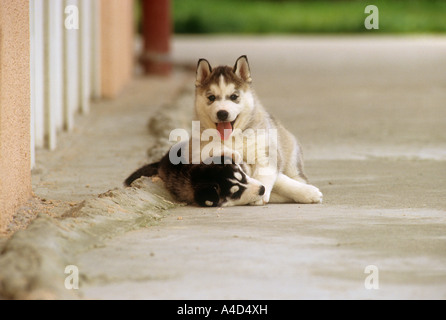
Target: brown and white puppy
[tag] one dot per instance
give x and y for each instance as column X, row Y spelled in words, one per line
column 226, row 103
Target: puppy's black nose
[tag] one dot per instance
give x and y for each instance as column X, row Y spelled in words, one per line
column 222, row 115
column 261, row 191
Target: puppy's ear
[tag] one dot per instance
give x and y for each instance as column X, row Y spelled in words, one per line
column 207, row 195
column 241, row 69
column 204, row 69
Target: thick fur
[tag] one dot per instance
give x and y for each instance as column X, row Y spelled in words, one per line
column 224, row 98
column 220, row 183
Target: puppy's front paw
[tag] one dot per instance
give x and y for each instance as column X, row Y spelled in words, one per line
column 309, row 194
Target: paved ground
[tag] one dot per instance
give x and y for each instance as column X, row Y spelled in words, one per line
column 370, row 115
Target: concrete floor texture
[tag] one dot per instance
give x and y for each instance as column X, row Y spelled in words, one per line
column 370, row 113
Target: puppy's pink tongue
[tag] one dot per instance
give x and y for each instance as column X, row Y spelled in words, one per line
column 225, row 129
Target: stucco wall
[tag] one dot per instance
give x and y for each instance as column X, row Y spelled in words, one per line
column 116, row 55
column 15, row 172
column 117, row 29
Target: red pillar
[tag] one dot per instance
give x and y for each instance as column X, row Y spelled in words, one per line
column 156, row 34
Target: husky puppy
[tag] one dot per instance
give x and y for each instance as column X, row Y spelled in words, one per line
column 225, row 101
column 220, row 183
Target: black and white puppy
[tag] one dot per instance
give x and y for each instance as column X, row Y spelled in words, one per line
column 220, row 183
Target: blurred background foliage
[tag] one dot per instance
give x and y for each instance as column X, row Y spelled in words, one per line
column 306, row 16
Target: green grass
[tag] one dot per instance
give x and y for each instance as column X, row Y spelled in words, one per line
column 323, row 16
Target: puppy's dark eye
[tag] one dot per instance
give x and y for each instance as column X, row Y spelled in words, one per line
column 233, row 97
column 211, row 98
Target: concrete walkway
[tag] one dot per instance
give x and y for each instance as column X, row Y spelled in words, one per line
column 370, row 114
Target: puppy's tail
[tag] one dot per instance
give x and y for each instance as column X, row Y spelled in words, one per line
column 146, row 171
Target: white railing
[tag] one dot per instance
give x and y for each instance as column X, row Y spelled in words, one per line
column 65, row 66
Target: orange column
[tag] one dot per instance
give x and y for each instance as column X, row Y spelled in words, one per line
column 156, row 34
column 116, row 45
column 15, row 152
